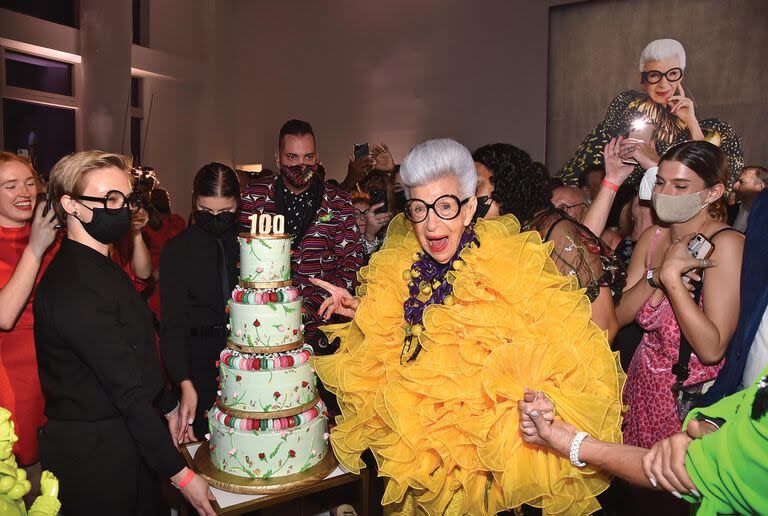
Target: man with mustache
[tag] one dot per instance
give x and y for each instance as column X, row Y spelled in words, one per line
column 319, row 215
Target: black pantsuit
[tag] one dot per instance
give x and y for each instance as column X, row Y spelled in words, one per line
column 198, row 272
column 105, row 439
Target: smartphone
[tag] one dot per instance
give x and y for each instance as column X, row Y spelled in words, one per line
column 640, row 131
column 361, row 151
column 700, row 247
column 44, row 197
column 378, row 195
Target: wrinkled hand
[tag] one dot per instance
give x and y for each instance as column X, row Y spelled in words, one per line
column 677, row 261
column 340, row 301
column 664, row 465
column 197, row 492
column 644, row 152
column 539, row 426
column 356, row 169
column 382, row 157
column 697, row 429
column 616, row 171
column 683, row 107
column 534, row 401
column 43, row 231
column 187, row 410
column 139, row 220
column 375, row 221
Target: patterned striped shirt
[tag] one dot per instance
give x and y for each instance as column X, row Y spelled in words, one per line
column 330, row 249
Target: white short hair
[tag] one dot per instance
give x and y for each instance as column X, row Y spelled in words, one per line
column 434, row 159
column 660, row 49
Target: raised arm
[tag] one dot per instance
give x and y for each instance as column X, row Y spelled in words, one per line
column 15, row 293
column 616, row 172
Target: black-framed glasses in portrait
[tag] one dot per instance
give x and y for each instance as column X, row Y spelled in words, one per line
column 447, row 207
column 654, row 76
column 114, row 200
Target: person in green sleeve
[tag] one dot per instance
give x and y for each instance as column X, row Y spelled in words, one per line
column 719, row 463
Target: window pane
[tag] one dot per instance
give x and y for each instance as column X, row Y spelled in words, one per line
column 56, row 11
column 37, row 73
column 47, row 133
column 135, row 92
column 136, row 140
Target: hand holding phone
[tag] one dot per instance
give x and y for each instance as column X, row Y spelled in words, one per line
column 701, row 247
column 361, row 151
column 379, row 196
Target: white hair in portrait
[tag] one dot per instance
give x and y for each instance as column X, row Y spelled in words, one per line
column 434, row 159
column 659, row 49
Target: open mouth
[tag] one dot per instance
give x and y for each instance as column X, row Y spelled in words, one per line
column 437, row 244
column 23, row 205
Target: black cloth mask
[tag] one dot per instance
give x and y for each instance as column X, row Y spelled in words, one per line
column 107, row 227
column 217, row 224
column 483, row 205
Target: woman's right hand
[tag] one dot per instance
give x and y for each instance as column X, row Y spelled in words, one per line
column 340, row 302
column 664, row 465
column 43, row 231
column 616, row 171
column 197, row 492
column 187, row 410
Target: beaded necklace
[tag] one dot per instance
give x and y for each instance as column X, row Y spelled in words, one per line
column 427, row 285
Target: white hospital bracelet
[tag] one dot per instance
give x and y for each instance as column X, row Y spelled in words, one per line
column 575, row 447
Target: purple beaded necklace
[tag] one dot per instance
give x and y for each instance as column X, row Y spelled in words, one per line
column 427, row 277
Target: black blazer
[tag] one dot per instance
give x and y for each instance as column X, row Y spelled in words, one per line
column 197, row 274
column 96, row 352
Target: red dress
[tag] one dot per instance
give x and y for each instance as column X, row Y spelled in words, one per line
column 20, row 390
column 172, row 225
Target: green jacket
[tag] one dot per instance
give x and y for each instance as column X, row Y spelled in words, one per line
column 730, row 466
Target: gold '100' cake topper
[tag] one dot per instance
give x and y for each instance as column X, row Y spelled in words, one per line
column 267, row 224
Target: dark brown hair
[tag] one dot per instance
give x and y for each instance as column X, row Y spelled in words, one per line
column 215, row 180
column 708, row 161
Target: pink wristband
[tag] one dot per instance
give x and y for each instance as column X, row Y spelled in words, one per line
column 610, row 185
column 186, row 480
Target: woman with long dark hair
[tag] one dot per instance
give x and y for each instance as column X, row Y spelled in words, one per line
column 199, row 270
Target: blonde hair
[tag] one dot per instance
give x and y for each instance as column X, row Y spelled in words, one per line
column 68, row 174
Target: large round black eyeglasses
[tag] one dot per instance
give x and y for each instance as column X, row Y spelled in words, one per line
column 654, row 76
column 447, row 207
column 114, row 200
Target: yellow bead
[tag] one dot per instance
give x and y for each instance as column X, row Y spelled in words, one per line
column 416, row 257
column 415, row 273
column 407, row 275
column 416, row 330
column 426, row 290
column 435, row 284
column 448, row 301
column 458, row 265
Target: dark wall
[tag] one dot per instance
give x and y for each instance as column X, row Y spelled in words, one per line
column 594, row 50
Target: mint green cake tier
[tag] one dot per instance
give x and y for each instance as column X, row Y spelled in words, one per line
column 265, row 260
column 265, row 326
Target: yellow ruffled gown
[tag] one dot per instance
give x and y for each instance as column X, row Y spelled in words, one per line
column 444, row 428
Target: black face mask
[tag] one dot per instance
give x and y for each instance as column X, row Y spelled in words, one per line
column 108, row 227
column 483, row 205
column 216, row 225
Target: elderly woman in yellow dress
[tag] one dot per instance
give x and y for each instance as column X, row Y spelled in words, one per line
column 453, row 320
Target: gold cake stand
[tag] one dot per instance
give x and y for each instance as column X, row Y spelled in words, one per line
column 276, row 485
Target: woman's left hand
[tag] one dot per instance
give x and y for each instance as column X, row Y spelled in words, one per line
column 139, row 220
column 678, row 261
column 683, row 107
column 187, row 410
column 664, row 465
column 642, row 151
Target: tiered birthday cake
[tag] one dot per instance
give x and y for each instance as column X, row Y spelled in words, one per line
column 268, row 420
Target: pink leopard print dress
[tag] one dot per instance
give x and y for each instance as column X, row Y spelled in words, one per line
column 652, row 412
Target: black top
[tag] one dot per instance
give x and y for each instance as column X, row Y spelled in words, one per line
column 96, row 352
column 197, row 274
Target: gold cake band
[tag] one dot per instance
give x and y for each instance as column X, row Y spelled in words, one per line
column 265, row 350
column 244, row 414
column 269, row 236
column 265, row 284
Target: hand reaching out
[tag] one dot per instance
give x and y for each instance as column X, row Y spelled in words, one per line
column 616, row 171
column 382, row 157
column 340, row 301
